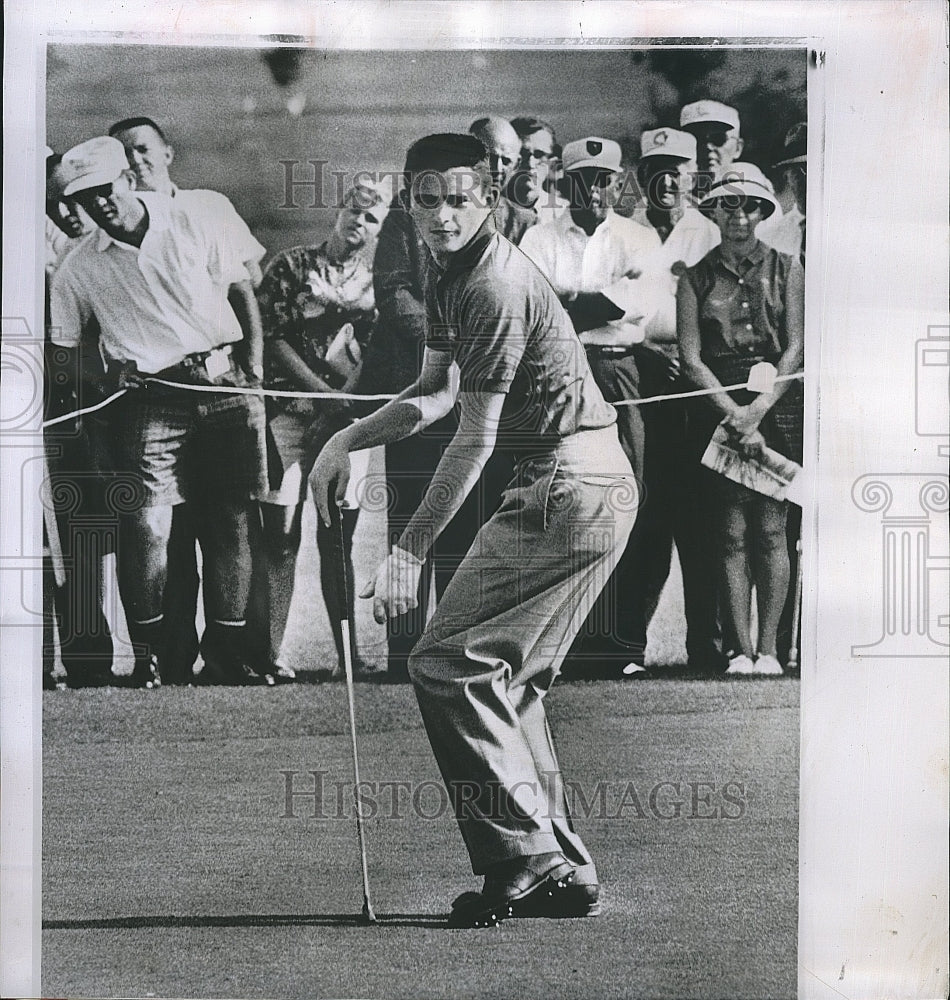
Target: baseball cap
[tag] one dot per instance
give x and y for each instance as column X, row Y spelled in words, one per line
column 591, row 152
column 709, row 113
column 668, row 142
column 743, row 180
column 796, row 143
column 90, row 164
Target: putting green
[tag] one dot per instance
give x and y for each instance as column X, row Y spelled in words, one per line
column 174, row 864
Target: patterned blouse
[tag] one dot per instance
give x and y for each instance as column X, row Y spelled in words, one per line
column 304, row 300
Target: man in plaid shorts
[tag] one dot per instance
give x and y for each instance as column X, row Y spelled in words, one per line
column 156, row 279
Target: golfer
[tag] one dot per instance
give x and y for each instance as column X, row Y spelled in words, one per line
column 500, row 344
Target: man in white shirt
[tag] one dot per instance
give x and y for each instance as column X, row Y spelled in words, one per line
column 593, row 259
column 789, row 235
column 76, row 479
column 156, row 279
column 150, row 155
column 671, row 507
column 534, row 184
column 718, row 143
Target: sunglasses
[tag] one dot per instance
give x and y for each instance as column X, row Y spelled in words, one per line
column 733, row 205
column 716, row 137
column 94, row 193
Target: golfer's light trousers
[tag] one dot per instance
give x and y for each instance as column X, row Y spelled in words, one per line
column 496, row 642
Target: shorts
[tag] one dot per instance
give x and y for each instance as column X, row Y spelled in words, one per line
column 289, row 462
column 182, row 445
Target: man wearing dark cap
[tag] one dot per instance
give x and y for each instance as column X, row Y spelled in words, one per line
column 155, row 278
column 788, row 236
column 500, row 344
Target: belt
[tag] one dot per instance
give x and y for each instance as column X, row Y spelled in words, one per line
column 609, row 350
column 198, row 359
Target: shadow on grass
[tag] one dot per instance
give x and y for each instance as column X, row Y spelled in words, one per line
column 247, row 920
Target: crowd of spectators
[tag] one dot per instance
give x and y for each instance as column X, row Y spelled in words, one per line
column 680, row 271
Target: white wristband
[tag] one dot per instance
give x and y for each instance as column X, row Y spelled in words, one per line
column 408, row 556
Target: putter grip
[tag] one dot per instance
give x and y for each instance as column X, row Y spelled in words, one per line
column 339, row 556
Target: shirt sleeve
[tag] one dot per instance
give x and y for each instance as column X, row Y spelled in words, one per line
column 399, row 279
column 277, row 296
column 69, row 308
column 231, row 242
column 636, row 296
column 492, row 336
column 536, row 248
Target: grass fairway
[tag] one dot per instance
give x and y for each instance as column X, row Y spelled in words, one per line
column 171, row 868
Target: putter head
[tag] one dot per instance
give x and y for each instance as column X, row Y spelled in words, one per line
column 367, row 917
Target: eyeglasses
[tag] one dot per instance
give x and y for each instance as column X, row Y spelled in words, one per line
column 94, row 193
column 536, row 154
column 717, row 138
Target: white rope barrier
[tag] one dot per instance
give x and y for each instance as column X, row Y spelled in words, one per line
column 379, row 397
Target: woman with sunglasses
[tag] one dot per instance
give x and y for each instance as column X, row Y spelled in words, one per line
column 742, row 304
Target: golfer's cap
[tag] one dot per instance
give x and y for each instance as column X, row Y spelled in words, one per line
column 796, row 143
column 668, row 142
column 90, row 164
column 709, row 113
column 591, row 152
column 742, row 180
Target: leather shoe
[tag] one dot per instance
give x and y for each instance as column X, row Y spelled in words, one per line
column 573, row 900
column 508, row 888
column 145, row 673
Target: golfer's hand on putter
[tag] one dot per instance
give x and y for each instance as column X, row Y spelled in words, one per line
column 395, row 585
column 331, row 471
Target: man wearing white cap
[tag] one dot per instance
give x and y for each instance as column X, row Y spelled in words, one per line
column 156, row 279
column 85, row 640
column 671, row 507
column 718, row 143
column 593, row 259
column 718, row 150
column 150, row 154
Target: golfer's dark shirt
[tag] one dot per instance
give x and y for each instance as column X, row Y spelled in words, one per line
column 509, row 333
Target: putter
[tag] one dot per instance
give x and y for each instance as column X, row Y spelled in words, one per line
column 796, row 607
column 367, row 916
